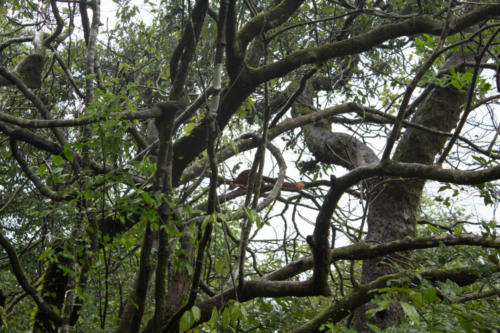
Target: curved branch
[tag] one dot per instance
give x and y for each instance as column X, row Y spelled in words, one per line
column 280, row 180
column 59, row 22
column 19, row 40
column 249, row 141
column 266, row 20
column 85, row 20
column 362, row 251
column 184, row 52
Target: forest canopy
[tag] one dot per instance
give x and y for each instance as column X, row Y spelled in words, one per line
column 249, row 166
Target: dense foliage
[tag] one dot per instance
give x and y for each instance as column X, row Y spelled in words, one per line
column 122, row 128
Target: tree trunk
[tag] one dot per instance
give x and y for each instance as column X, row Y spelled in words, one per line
column 393, row 201
column 394, row 205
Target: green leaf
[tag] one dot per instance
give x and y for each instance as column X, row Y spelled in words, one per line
column 252, row 216
column 466, row 324
column 214, row 317
column 234, row 147
column 226, row 317
column 186, row 321
column 417, row 299
column 456, row 84
column 410, row 311
column 236, row 311
column 41, row 170
column 189, row 269
column 124, row 67
column 382, row 304
column 68, row 154
column 189, row 128
column 219, row 265
column 433, row 229
column 209, row 219
column 493, row 257
column 67, row 270
column 430, row 295
column 57, row 159
column 196, row 313
column 374, row 328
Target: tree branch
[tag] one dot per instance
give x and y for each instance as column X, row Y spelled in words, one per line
column 365, row 41
column 358, row 251
column 340, row 309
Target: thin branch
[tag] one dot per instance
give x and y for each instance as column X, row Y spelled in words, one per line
column 85, row 20
column 190, row 110
column 326, row 19
column 9, row 200
column 70, row 77
column 293, row 97
column 473, row 297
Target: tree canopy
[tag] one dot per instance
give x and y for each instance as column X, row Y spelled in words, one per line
column 249, row 166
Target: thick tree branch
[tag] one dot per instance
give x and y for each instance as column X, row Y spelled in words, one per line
column 421, row 171
column 184, row 52
column 52, row 123
column 360, row 251
column 130, row 319
column 266, row 20
column 365, row 41
column 12, row 41
column 340, row 309
column 59, row 22
column 30, row 138
column 363, row 250
column 85, row 20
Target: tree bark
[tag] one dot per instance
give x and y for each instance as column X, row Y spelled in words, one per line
column 393, row 201
column 393, row 211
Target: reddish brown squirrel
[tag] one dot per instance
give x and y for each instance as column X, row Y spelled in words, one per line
column 242, row 181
